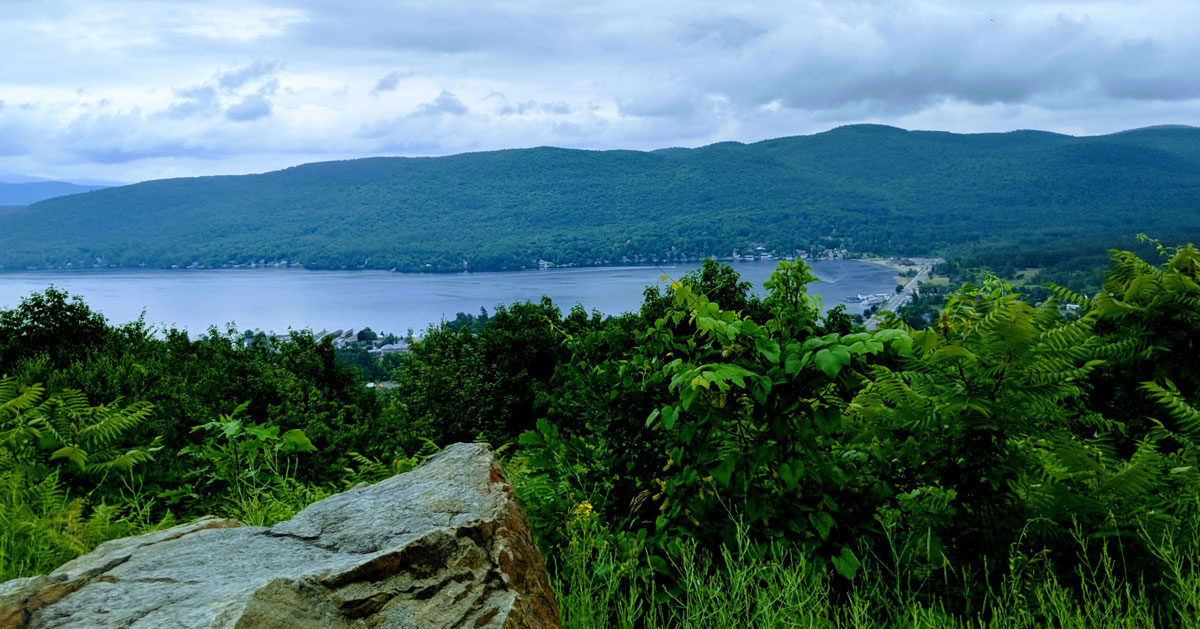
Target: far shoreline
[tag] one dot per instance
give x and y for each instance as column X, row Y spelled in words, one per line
column 878, row 261
column 894, row 264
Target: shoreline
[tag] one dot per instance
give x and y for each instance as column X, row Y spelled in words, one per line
column 300, row 269
column 894, row 264
column 275, row 299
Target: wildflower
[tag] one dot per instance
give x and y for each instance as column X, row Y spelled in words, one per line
column 582, row 510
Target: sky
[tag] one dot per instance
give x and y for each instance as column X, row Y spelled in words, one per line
column 130, row 90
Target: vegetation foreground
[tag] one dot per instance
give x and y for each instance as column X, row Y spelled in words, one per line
column 713, row 460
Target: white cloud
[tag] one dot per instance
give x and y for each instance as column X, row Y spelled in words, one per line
column 109, row 89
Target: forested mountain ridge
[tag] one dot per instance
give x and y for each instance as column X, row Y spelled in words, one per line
column 34, row 191
column 868, row 188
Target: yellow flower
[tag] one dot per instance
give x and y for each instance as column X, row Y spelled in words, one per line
column 582, row 510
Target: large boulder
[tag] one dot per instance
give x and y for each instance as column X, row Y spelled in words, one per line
column 445, row 545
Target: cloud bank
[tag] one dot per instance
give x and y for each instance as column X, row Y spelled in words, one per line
column 104, row 89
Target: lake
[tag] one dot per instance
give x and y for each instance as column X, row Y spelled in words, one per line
column 278, row 299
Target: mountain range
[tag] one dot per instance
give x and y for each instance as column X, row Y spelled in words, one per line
column 25, row 193
column 865, row 188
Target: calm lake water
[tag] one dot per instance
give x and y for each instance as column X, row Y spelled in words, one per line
column 278, row 299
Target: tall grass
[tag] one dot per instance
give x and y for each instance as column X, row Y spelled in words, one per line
column 42, row 526
column 599, row 587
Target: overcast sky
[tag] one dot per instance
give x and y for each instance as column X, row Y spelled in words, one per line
column 131, row 90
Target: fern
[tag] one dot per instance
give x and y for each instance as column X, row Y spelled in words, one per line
column 86, row 436
column 1186, row 417
column 41, row 524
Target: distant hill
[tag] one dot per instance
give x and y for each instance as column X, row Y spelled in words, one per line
column 32, row 192
column 867, row 188
column 1161, row 126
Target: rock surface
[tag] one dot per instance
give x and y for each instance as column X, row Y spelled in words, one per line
column 445, row 545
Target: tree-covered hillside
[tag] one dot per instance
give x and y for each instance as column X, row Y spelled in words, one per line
column 867, row 188
column 34, row 191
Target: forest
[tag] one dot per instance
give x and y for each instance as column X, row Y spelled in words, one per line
column 713, row 459
column 869, row 189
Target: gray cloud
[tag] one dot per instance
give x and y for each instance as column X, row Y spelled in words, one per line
column 668, row 102
column 607, row 74
column 196, row 101
column 558, row 108
column 390, row 81
column 116, row 154
column 451, row 28
column 9, row 146
column 445, row 103
column 252, row 107
column 415, row 123
column 902, row 63
column 236, row 78
column 725, row 33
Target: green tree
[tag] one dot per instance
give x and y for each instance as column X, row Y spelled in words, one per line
column 52, row 323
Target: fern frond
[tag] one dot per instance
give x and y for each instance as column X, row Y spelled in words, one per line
column 13, row 401
column 73, row 454
column 127, row 460
column 106, row 425
column 1069, row 296
column 1136, row 477
column 1185, row 416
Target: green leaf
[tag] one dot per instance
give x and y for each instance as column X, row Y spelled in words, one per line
column 790, row 473
column 732, row 372
column 831, row 361
column 295, row 440
column 546, row 428
column 768, row 347
column 889, row 335
column 826, row 362
column 847, row 564
column 669, row 415
column 232, row 428
column 723, row 472
column 953, row 353
column 687, row 396
column 792, row 365
column 814, row 343
column 265, row 433
column 73, row 454
column 827, row 419
column 822, row 522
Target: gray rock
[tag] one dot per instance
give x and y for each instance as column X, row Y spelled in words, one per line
column 445, row 545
